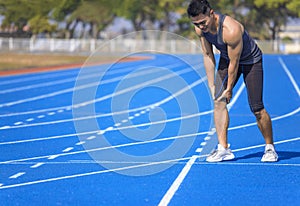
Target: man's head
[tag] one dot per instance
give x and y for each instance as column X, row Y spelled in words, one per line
column 197, row 7
column 201, row 14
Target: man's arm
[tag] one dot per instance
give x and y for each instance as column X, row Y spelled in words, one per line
column 233, row 37
column 209, row 60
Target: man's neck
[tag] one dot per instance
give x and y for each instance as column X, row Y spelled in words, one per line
column 215, row 25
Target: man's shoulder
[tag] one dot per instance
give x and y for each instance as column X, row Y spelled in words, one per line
column 232, row 28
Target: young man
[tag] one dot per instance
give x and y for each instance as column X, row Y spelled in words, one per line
column 239, row 54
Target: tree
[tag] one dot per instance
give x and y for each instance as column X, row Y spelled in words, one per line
column 136, row 11
column 275, row 13
column 63, row 11
column 26, row 12
column 95, row 13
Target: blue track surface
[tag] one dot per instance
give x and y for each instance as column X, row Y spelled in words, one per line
column 138, row 135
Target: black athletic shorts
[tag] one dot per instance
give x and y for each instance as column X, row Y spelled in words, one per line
column 253, row 78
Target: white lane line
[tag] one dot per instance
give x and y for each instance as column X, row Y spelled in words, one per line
column 178, row 181
column 249, row 164
column 149, row 164
column 120, row 70
column 170, row 193
column 117, row 124
column 168, row 196
column 91, row 137
column 5, row 127
column 15, row 176
column 53, row 157
column 106, row 148
column 289, row 75
column 134, row 126
column 80, row 143
column 37, row 165
column 38, row 77
column 91, row 173
column 68, row 149
column 18, row 123
column 52, row 94
column 115, row 113
column 41, row 116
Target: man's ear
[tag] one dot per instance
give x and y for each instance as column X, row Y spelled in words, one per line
column 211, row 12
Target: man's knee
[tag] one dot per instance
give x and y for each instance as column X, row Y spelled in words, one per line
column 219, row 105
column 258, row 114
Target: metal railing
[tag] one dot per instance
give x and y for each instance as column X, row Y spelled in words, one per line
column 124, row 45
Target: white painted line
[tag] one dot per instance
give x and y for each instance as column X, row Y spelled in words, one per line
column 211, row 132
column 80, row 143
column 17, row 175
column 91, row 173
column 249, row 164
column 53, row 157
column 18, row 123
column 41, row 116
column 101, row 132
column 126, row 111
column 1, row 184
column 207, row 138
column 5, row 127
column 30, row 119
column 109, row 129
column 199, row 150
column 174, row 187
column 37, row 165
column 117, row 124
column 131, row 117
column 60, row 111
column 290, row 76
column 68, row 149
column 125, row 120
column 91, row 137
column 51, row 113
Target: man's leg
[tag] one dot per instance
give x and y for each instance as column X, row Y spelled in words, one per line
column 253, row 76
column 265, row 125
column 221, row 122
column 221, row 119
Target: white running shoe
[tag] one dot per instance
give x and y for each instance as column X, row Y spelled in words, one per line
column 220, row 154
column 270, row 154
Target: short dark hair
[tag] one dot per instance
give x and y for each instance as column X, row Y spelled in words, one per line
column 197, row 7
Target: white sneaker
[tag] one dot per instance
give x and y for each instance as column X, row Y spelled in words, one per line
column 220, row 154
column 270, row 154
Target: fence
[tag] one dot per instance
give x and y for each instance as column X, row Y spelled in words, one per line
column 124, row 45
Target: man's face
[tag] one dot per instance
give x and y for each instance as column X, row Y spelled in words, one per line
column 202, row 21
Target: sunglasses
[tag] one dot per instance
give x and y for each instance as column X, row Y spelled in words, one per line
column 201, row 23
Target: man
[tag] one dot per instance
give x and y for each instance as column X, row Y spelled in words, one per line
column 239, row 54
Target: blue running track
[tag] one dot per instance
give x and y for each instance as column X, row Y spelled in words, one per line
column 137, row 133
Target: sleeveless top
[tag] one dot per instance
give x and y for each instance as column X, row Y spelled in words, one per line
column 250, row 54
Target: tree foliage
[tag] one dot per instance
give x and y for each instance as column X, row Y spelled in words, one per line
column 263, row 19
column 26, row 12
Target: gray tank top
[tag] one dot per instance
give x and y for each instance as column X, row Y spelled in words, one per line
column 251, row 52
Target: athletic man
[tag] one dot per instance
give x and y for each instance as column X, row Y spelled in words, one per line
column 239, row 54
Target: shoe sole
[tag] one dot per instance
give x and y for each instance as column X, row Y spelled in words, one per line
column 226, row 158
column 275, row 160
